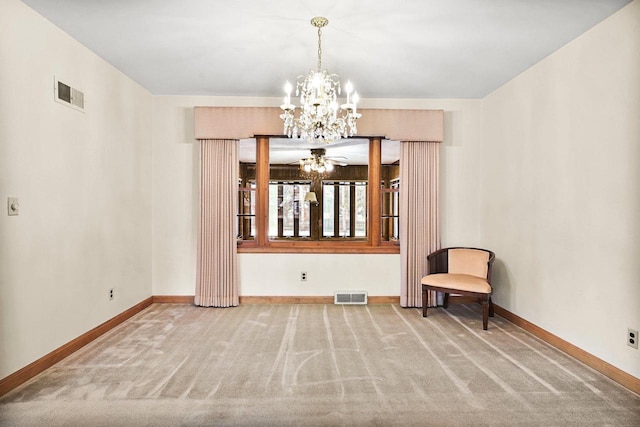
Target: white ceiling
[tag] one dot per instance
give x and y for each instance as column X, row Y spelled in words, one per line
column 399, row 49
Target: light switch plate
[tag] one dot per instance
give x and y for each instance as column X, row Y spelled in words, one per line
column 13, row 206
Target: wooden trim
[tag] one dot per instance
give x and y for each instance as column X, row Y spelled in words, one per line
column 375, row 197
column 383, row 300
column 262, row 191
column 188, row 299
column 19, row 377
column 285, row 300
column 336, row 210
column 319, row 248
column 371, row 244
column 605, row 368
column 311, row 300
column 352, row 209
column 173, row 299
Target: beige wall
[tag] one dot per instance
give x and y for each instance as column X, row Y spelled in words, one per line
column 544, row 171
column 84, row 183
column 561, row 190
column 175, row 203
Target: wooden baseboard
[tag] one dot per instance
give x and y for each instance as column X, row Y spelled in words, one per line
column 188, row 299
column 616, row 374
column 173, row 299
column 311, row 300
column 14, row 380
column 383, row 300
column 285, row 300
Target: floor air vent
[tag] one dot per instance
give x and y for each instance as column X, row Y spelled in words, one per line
column 350, row 297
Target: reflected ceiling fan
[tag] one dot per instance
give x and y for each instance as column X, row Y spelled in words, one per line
column 320, row 162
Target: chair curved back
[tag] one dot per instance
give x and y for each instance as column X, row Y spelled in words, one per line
column 473, row 262
column 462, row 260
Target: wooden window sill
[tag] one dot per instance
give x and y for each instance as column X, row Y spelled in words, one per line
column 320, row 247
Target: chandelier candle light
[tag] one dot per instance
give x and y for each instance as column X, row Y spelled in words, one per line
column 321, row 118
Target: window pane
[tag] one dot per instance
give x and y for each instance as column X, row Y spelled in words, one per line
column 304, row 210
column 327, row 210
column 390, row 188
column 345, row 210
column 246, row 225
column 273, row 210
column 286, row 209
column 361, row 210
column 246, row 209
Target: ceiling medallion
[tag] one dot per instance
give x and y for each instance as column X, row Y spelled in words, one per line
column 322, row 119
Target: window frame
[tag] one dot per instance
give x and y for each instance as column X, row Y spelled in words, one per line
column 373, row 243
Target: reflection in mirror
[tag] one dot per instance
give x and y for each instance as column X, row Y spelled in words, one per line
column 390, row 188
column 246, row 224
column 336, row 173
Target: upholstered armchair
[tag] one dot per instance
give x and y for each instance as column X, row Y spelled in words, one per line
column 462, row 271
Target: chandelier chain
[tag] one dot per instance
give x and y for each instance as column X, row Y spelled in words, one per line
column 319, row 49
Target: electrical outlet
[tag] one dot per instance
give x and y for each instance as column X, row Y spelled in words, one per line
column 303, row 276
column 110, row 294
column 632, row 338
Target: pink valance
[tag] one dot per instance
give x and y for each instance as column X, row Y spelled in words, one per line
column 247, row 122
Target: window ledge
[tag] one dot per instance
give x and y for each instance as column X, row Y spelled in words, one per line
column 320, row 248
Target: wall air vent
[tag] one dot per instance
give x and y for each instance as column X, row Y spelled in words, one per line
column 67, row 95
column 350, row 297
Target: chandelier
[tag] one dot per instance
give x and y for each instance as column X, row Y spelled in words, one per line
column 317, row 162
column 322, row 119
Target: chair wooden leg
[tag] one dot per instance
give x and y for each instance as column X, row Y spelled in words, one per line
column 485, row 314
column 424, row 302
column 490, row 307
column 445, row 300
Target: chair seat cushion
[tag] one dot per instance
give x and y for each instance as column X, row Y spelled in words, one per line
column 457, row 282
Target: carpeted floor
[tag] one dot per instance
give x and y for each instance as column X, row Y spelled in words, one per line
column 318, row 365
